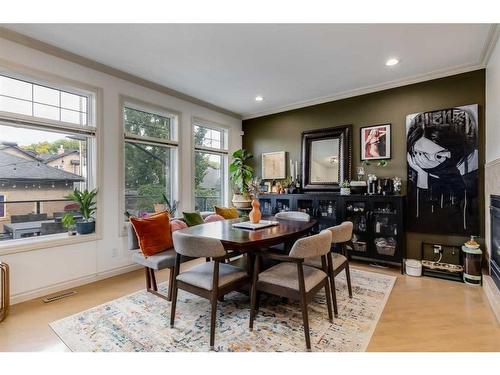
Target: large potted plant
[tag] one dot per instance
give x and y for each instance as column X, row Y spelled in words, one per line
column 87, row 203
column 241, row 175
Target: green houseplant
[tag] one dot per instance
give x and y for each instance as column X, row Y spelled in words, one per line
column 86, row 200
column 68, row 222
column 240, row 174
column 345, row 188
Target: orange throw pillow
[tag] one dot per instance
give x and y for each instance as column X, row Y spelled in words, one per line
column 153, row 233
column 227, row 212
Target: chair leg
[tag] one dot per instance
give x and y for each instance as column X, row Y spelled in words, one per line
column 213, row 316
column 348, row 278
column 305, row 318
column 253, row 297
column 148, row 278
column 170, row 283
column 153, row 280
column 332, row 285
column 174, row 303
column 328, row 301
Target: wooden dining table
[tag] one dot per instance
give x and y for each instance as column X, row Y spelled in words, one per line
column 249, row 240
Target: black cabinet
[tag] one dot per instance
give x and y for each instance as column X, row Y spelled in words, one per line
column 378, row 220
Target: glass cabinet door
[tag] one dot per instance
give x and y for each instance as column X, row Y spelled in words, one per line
column 327, row 209
column 385, row 228
column 282, row 204
column 305, row 205
column 357, row 212
column 266, row 207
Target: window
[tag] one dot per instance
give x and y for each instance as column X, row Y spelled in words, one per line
column 210, row 165
column 30, row 99
column 2, row 206
column 149, row 157
column 31, row 150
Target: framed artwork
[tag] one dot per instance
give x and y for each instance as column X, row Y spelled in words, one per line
column 274, row 165
column 443, row 163
column 376, row 142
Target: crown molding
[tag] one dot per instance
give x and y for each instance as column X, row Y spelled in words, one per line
column 61, row 53
column 489, row 46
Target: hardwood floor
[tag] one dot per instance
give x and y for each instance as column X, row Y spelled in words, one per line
column 422, row 314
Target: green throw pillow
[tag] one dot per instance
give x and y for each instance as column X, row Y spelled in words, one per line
column 192, row 218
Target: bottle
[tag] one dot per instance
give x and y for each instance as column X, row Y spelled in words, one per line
column 330, row 209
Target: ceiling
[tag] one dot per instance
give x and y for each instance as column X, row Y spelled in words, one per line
column 290, row 65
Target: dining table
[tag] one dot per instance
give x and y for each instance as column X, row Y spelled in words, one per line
column 251, row 241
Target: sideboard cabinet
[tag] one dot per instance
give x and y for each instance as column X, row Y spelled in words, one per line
column 378, row 233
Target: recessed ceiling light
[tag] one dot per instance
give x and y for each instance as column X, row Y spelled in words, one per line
column 391, row 62
column 259, row 98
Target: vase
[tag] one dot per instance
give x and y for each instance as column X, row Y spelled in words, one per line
column 255, row 214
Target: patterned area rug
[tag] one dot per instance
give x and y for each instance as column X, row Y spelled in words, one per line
column 141, row 322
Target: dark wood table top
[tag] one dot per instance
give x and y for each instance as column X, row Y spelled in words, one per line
column 246, row 239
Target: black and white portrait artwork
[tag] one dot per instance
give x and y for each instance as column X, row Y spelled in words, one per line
column 443, row 180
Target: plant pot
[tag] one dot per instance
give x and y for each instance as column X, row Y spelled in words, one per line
column 345, row 191
column 242, row 201
column 72, row 231
column 85, row 227
column 159, row 207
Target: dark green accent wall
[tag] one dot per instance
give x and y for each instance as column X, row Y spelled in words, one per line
column 282, row 131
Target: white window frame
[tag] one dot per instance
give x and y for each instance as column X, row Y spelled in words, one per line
column 92, row 129
column 223, row 151
column 173, row 144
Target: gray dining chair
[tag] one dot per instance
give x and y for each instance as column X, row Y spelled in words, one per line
column 210, row 280
column 292, row 216
column 156, row 262
column 341, row 235
column 293, row 279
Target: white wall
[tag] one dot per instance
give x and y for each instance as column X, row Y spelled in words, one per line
column 37, row 272
column 493, row 105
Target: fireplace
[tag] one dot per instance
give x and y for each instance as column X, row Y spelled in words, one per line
column 495, row 238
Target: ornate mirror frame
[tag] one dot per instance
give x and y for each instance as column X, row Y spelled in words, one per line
column 344, row 134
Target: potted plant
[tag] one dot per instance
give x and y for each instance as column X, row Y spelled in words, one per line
column 240, row 174
column 345, row 188
column 287, row 184
column 68, row 222
column 86, row 201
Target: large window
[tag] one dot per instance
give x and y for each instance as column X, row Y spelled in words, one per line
column 42, row 161
column 150, row 154
column 210, row 165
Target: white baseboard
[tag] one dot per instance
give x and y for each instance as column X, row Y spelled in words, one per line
column 493, row 295
column 54, row 288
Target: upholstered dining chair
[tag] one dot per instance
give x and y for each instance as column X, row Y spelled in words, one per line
column 341, row 235
column 210, row 280
column 292, row 216
column 293, row 279
column 157, row 262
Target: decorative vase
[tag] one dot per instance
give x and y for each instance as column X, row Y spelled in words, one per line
column 242, row 201
column 255, row 215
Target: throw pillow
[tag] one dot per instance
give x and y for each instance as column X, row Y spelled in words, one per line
column 192, row 218
column 213, row 217
column 153, row 233
column 177, row 225
column 227, row 212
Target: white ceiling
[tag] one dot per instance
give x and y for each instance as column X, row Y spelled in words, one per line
column 290, row 65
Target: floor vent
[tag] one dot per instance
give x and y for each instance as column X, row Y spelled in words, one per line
column 57, row 297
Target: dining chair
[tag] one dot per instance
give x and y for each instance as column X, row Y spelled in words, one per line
column 341, row 235
column 210, row 280
column 292, row 216
column 293, row 279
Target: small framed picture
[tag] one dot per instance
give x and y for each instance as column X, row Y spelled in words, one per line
column 273, row 165
column 376, row 142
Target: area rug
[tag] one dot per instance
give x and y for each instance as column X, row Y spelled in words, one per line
column 141, row 322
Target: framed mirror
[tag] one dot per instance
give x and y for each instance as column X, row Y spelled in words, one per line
column 326, row 157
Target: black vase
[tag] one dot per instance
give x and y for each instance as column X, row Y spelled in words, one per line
column 85, row 227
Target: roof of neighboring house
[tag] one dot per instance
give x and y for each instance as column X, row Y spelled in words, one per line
column 15, row 168
column 46, row 158
column 32, row 154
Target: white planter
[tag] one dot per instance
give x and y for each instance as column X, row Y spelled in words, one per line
column 345, row 191
column 413, row 267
